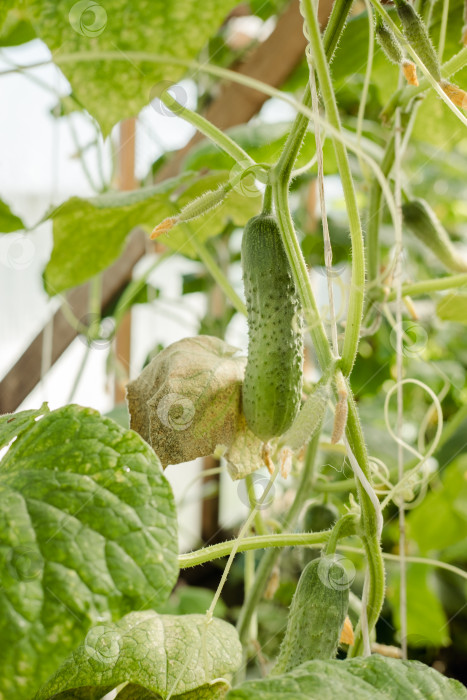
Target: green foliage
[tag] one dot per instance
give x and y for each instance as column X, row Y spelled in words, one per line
column 8, row 221
column 427, row 624
column 374, row 678
column 88, row 533
column 113, row 90
column 95, row 230
column 157, row 655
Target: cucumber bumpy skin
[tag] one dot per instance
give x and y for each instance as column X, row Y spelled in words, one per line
column 273, row 376
column 316, row 617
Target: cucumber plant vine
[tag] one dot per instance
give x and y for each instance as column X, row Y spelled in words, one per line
column 258, row 412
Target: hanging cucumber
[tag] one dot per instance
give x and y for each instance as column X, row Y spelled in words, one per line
column 273, row 376
column 317, row 614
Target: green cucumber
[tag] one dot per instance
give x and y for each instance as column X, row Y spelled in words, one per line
column 422, row 221
column 317, row 614
column 417, row 35
column 273, row 377
column 388, row 42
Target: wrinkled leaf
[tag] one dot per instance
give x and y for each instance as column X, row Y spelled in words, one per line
column 118, row 86
column 87, row 533
column 8, row 221
column 453, row 307
column 372, row 678
column 162, row 654
column 187, row 400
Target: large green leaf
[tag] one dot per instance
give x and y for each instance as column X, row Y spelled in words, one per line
column 427, row 624
column 8, row 221
column 374, row 678
column 176, row 655
column 435, row 123
column 89, row 234
column 114, row 89
column 441, row 519
column 87, row 533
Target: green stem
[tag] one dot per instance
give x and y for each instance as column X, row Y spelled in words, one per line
column 266, row 565
column 357, row 285
column 223, row 549
column 334, row 27
column 370, row 529
column 374, row 214
column 205, row 127
column 334, row 486
column 300, row 273
column 430, row 286
column 346, row 526
column 218, row 275
column 258, row 521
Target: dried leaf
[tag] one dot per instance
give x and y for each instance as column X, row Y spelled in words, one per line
column 188, row 399
column 244, row 454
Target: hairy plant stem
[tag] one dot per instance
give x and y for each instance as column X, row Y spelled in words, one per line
column 430, row 286
column 357, row 285
column 369, row 534
column 275, row 542
column 266, row 565
column 374, row 214
column 369, row 518
column 205, row 127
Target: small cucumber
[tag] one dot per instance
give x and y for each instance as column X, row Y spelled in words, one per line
column 317, row 614
column 422, row 221
column 417, row 35
column 273, row 376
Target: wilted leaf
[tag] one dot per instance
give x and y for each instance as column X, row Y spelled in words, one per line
column 187, row 400
column 244, row 453
column 176, row 655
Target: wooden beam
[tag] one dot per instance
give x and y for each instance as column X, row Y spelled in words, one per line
column 25, row 374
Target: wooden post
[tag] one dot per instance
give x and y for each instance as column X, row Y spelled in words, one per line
column 126, row 181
